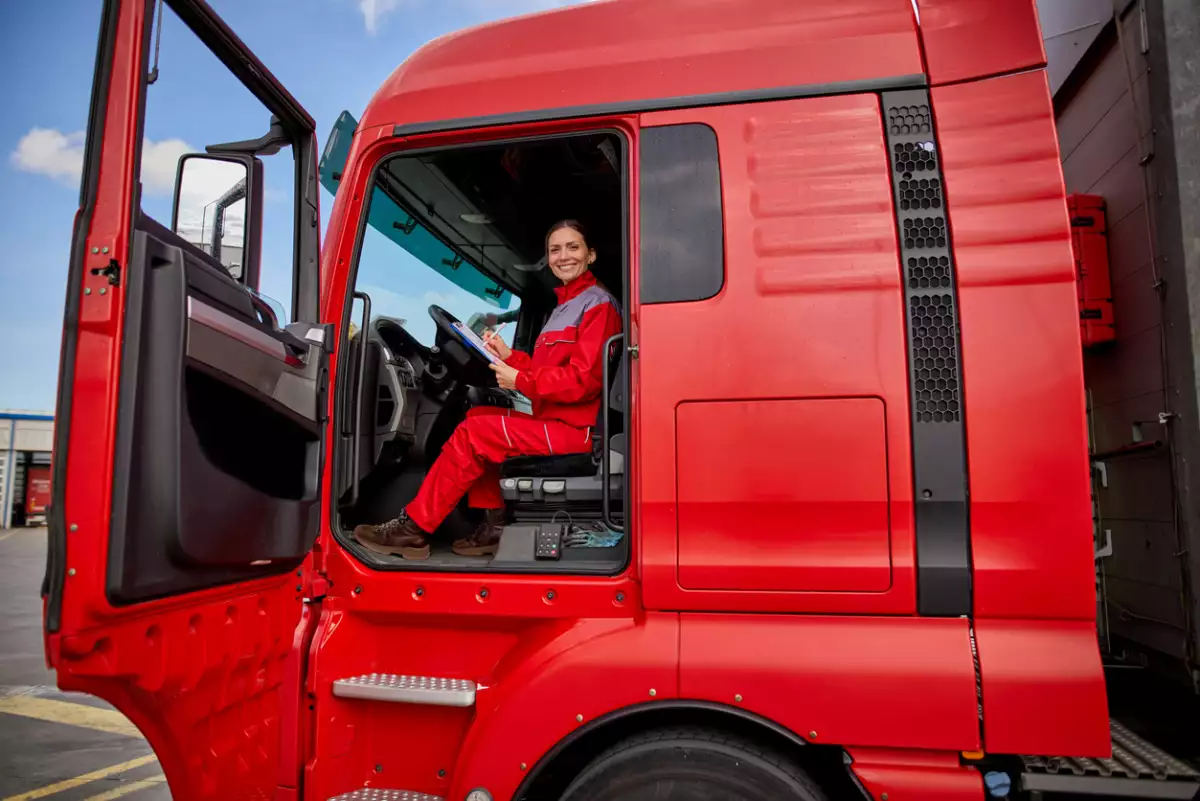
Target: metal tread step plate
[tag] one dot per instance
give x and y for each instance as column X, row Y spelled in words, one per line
column 1137, row 769
column 380, row 794
column 400, row 689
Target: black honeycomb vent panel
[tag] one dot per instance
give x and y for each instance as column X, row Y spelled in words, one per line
column 928, row 272
column 935, row 372
column 935, row 365
column 914, row 157
column 908, row 119
column 920, row 194
column 923, row 233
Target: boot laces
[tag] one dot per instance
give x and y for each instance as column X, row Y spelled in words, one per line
column 392, row 527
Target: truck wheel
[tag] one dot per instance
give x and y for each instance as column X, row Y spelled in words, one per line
column 691, row 764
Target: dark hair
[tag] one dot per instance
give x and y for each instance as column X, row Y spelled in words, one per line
column 574, row 225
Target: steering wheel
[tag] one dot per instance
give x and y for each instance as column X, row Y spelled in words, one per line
column 445, row 322
column 474, row 366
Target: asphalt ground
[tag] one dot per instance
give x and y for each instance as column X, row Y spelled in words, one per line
column 56, row 745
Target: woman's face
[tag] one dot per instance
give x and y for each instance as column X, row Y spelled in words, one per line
column 568, row 255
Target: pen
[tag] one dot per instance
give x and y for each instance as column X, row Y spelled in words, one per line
column 494, row 332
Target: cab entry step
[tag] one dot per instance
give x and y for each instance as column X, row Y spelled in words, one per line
column 378, row 794
column 1137, row 769
column 400, row 689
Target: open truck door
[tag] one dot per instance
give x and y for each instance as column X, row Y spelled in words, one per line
column 189, row 445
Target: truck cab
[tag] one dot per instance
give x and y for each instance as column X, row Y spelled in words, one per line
column 831, row 536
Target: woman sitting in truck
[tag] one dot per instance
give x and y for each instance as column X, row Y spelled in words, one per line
column 562, row 379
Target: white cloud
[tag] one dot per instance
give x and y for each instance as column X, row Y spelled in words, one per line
column 159, row 162
column 50, row 152
column 374, row 11
column 59, row 155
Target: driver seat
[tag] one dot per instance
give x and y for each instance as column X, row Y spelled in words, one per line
column 535, row 488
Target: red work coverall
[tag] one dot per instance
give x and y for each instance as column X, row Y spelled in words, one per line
column 562, row 379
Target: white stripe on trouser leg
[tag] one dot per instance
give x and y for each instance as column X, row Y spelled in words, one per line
column 504, row 425
column 548, row 445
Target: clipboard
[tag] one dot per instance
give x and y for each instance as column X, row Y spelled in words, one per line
column 474, row 341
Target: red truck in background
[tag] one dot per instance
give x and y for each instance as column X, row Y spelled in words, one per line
column 37, row 494
column 839, row 547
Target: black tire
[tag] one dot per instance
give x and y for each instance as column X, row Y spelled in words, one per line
column 691, row 764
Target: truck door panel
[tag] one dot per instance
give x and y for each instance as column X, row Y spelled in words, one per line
column 188, row 447
column 217, row 435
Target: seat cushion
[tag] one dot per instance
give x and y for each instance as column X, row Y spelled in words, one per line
column 557, row 466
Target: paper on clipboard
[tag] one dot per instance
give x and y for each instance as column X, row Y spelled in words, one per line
column 474, row 341
column 520, row 402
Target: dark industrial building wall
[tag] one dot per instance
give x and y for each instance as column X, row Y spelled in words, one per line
column 1108, row 141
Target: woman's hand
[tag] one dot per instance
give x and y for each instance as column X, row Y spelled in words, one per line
column 506, row 376
column 497, row 346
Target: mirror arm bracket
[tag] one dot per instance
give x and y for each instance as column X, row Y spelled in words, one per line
column 267, row 145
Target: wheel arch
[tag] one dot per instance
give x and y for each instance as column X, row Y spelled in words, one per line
column 551, row 774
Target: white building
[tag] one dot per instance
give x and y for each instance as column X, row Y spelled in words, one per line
column 26, row 440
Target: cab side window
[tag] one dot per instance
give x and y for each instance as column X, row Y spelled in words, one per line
column 682, row 230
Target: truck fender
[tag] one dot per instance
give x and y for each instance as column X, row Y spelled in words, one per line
column 553, row 684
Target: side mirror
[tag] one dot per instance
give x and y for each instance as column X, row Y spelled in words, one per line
column 218, row 208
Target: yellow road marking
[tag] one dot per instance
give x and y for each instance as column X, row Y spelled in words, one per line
column 10, row 532
column 106, row 720
column 126, row 789
column 78, row 781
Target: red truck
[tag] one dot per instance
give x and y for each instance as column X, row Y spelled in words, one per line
column 839, row 546
column 37, row 494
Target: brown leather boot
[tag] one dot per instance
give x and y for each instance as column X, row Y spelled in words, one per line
column 486, row 538
column 399, row 537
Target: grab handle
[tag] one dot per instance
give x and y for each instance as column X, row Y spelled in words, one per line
column 605, row 456
column 358, row 395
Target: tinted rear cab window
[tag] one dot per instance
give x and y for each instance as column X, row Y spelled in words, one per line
column 682, row 231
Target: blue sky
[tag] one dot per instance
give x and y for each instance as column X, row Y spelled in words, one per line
column 331, row 54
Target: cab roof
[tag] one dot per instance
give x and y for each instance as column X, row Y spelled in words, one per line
column 613, row 55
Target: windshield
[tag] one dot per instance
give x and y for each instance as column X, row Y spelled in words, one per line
column 403, row 285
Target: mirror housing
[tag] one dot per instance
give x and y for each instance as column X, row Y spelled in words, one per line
column 337, row 150
column 218, row 208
